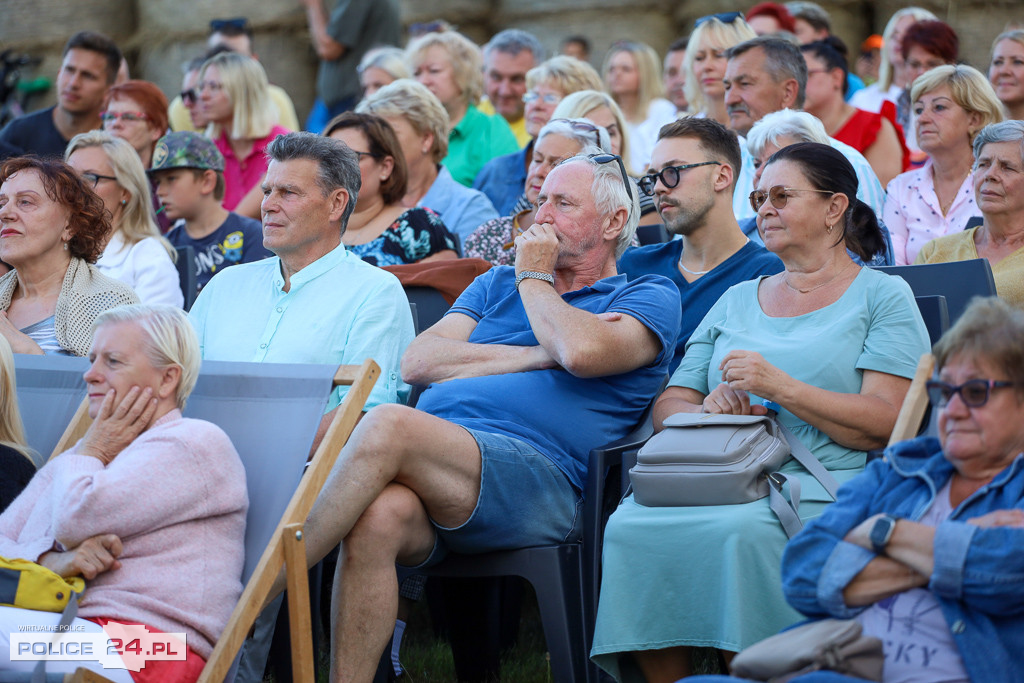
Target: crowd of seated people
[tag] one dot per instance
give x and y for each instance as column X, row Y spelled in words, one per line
column 773, row 188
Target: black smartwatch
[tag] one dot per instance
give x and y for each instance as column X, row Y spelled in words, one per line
column 881, row 532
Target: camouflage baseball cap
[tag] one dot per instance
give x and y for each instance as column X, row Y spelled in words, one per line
column 185, row 149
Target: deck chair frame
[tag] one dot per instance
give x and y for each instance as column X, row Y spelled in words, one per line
column 286, row 549
column 915, row 403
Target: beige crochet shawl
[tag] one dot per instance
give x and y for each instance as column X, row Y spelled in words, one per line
column 85, row 293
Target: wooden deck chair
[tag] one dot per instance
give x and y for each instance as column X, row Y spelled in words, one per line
column 50, row 390
column 911, row 414
column 271, row 412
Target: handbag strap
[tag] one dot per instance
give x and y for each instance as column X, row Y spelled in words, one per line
column 788, row 509
column 66, row 617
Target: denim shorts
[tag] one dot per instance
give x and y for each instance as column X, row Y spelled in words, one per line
column 525, row 500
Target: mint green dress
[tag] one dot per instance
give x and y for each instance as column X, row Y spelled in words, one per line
column 709, row 576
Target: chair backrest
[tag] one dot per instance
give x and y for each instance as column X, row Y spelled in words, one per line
column 958, row 281
column 271, row 412
column 186, row 265
column 430, row 305
column 935, row 314
column 50, row 389
column 652, row 234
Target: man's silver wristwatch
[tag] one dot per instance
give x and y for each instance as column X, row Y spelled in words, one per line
column 534, row 275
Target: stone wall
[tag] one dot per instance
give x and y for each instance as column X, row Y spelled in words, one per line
column 160, row 35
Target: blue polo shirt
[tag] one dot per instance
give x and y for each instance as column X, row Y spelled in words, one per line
column 339, row 309
column 697, row 297
column 562, row 416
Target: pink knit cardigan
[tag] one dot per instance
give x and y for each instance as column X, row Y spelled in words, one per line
column 177, row 499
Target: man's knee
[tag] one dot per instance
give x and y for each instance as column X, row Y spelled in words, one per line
column 394, row 523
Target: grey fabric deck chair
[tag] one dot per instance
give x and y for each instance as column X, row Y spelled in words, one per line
column 50, row 391
column 271, row 412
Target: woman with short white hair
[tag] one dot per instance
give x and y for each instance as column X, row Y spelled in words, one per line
column 451, row 66
column 149, row 507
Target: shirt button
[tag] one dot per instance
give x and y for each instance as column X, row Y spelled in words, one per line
column 263, row 346
column 958, row 627
column 394, row 375
column 279, row 309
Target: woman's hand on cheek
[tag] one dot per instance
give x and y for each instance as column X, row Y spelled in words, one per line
column 116, row 426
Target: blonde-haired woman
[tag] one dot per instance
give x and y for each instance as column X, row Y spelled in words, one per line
column 951, row 104
column 451, row 66
column 891, row 77
column 235, row 99
column 1006, row 72
column 704, row 62
column 15, row 461
column 135, row 253
column 632, row 75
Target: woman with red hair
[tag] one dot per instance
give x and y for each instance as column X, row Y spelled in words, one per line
column 137, row 112
column 770, row 17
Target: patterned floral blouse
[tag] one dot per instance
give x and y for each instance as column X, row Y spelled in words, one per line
column 415, row 235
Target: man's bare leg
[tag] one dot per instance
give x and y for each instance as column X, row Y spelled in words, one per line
column 365, row 603
column 439, row 461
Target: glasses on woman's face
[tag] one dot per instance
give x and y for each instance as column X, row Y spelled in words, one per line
column 974, row 392
column 94, row 178
column 548, row 98
column 126, row 116
column 669, row 176
column 778, row 196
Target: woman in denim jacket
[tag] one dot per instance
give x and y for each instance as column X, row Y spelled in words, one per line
column 943, row 586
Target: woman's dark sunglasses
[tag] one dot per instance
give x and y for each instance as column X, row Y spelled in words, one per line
column 724, row 17
column 974, row 392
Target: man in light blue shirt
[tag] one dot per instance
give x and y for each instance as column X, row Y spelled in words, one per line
column 315, row 302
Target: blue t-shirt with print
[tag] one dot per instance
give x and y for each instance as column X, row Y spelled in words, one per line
column 239, row 239
column 562, row 416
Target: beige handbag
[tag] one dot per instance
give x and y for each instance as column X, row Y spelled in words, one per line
column 830, row 644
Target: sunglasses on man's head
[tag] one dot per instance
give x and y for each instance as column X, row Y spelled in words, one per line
column 777, row 195
column 218, row 25
column 609, row 158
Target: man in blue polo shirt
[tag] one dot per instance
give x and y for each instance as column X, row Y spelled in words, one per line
column 693, row 170
column 533, row 367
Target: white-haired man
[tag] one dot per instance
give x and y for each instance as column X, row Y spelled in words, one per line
column 533, row 367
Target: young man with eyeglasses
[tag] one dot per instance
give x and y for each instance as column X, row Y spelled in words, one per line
column 88, row 70
column 533, row 367
column 693, row 171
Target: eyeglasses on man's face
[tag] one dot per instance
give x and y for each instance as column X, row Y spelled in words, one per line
column 669, row 176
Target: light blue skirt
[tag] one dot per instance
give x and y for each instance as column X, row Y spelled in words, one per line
column 706, row 576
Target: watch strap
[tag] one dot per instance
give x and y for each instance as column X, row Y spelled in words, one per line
column 534, row 275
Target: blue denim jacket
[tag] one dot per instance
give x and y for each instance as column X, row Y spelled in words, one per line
column 979, row 573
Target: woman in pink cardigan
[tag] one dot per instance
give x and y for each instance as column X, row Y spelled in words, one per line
column 148, row 507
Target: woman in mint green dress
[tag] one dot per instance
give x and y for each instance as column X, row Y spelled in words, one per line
column 832, row 343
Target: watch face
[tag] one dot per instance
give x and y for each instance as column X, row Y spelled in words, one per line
column 881, row 532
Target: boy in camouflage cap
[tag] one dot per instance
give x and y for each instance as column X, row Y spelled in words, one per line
column 188, row 172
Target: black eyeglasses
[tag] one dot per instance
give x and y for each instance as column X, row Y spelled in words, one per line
column 724, row 17
column 669, row 176
column 607, row 159
column 238, row 23
column 188, row 97
column 974, row 392
column 95, row 178
column 777, row 195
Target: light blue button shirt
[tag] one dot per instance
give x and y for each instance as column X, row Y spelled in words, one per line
column 869, row 190
column 338, row 309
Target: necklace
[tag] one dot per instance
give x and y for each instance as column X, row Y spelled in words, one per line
column 811, row 289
